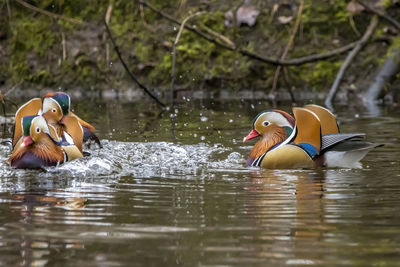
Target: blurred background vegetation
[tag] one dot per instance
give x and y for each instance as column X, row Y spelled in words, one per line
column 39, row 49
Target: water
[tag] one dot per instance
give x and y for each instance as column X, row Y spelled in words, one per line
column 172, row 189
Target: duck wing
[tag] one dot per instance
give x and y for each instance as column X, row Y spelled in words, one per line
column 330, row 140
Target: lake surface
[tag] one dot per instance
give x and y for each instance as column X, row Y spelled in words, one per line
column 172, row 189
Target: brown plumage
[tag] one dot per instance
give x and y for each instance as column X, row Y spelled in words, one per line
column 37, row 148
column 273, row 137
column 45, row 150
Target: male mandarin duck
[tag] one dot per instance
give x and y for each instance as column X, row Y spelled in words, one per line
column 310, row 139
column 39, row 148
column 55, row 108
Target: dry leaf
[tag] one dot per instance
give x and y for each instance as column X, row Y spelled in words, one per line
column 354, row 7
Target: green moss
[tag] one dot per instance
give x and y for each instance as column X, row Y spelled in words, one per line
column 34, row 51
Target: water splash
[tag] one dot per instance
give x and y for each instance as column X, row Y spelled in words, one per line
column 140, row 160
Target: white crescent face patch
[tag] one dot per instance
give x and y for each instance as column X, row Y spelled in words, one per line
column 274, row 117
column 49, row 103
column 39, row 123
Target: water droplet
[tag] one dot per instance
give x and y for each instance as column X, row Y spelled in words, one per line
column 174, row 28
column 230, row 121
column 176, row 110
column 194, row 135
column 356, row 115
column 203, row 118
column 202, row 138
column 252, row 106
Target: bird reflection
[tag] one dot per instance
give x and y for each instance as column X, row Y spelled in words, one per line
column 35, row 209
column 290, row 206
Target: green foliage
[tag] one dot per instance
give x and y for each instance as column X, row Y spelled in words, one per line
column 394, row 46
column 386, row 3
column 323, row 73
column 34, row 49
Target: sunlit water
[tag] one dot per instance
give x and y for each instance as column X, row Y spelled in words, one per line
column 172, row 189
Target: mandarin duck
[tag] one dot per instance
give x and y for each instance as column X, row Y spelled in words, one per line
column 55, row 108
column 310, row 139
column 39, row 148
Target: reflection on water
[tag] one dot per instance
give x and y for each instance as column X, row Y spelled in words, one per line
column 173, row 189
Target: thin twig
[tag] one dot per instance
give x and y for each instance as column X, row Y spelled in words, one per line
column 219, row 36
column 288, row 47
column 381, row 14
column 367, row 35
column 174, row 52
column 353, row 25
column 50, row 14
column 8, row 8
column 127, row 69
column 245, row 52
column 64, row 46
column 3, row 103
column 12, row 88
column 108, row 18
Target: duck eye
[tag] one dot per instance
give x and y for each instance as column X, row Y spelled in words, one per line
column 37, row 129
column 54, row 110
column 266, row 123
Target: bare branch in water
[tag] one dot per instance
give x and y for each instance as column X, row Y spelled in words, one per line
column 367, row 35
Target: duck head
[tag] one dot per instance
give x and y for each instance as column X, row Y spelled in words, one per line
column 36, row 131
column 38, row 147
column 274, row 127
column 55, row 107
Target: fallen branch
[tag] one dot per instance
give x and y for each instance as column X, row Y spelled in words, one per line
column 384, row 77
column 367, row 35
column 50, row 14
column 380, row 14
column 245, row 52
column 286, row 51
column 178, row 36
column 127, row 69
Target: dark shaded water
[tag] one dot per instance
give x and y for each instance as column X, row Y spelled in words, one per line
column 172, row 189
